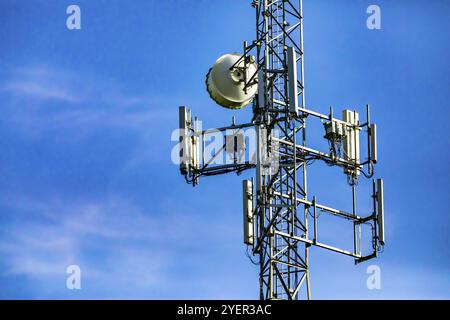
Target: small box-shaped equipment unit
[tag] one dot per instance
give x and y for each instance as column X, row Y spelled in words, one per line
column 247, row 190
column 334, row 131
column 234, row 142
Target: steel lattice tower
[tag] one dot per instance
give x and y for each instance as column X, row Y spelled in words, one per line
column 276, row 209
column 283, row 260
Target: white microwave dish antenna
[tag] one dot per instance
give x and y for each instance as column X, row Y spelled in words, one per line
column 226, row 81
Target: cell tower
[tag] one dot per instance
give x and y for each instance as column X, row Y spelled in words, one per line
column 280, row 216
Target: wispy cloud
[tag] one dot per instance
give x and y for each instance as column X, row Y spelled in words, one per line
column 41, row 83
column 41, row 90
column 136, row 249
column 63, row 233
column 132, row 250
column 41, row 99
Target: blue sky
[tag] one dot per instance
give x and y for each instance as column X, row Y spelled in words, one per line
column 86, row 174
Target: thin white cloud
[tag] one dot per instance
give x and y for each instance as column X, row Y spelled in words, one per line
column 41, row 83
column 63, row 233
column 117, row 244
column 136, row 250
column 41, row 99
column 41, row 90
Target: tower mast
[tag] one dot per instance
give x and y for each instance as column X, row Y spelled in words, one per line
column 277, row 205
column 283, row 260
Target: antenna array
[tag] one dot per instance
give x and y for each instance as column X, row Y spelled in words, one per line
column 280, row 215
